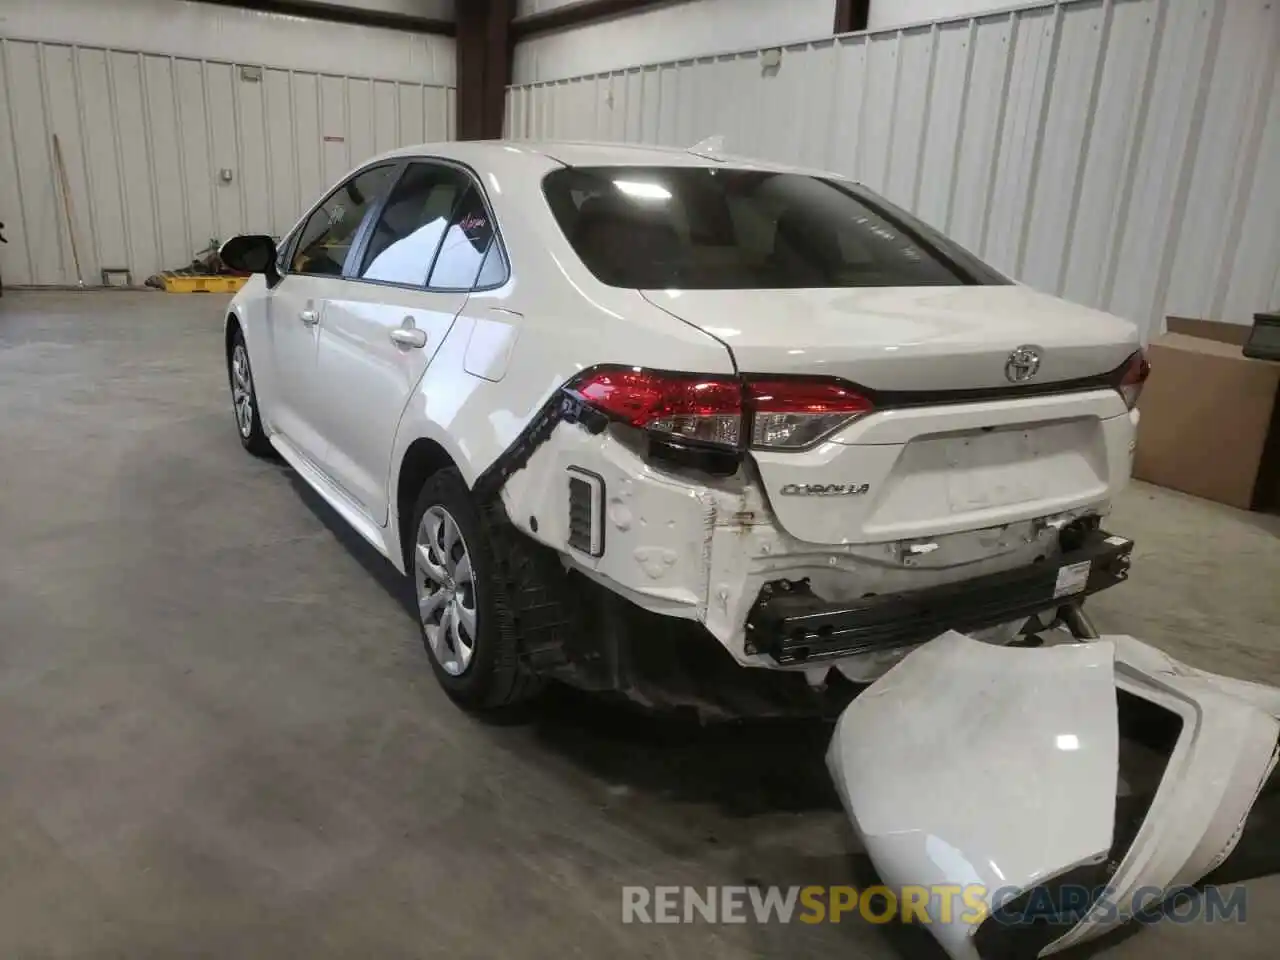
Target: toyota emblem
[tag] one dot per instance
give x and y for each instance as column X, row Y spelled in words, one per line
column 1023, row 364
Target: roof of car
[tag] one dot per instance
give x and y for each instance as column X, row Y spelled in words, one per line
column 581, row 153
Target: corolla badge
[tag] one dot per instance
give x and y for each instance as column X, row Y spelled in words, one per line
column 1023, row 364
column 825, row 489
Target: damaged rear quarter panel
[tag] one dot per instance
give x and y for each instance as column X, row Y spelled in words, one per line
column 656, row 528
column 702, row 548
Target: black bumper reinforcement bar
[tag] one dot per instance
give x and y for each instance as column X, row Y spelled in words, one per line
column 791, row 625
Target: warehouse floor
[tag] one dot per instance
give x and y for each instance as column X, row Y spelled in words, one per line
column 219, row 735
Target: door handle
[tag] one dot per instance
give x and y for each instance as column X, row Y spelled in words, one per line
column 309, row 317
column 409, row 335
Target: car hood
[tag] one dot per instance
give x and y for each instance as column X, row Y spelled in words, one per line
column 905, row 338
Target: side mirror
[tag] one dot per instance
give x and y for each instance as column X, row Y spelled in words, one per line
column 252, row 253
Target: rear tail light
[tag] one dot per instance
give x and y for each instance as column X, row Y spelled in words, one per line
column 1133, row 375
column 689, row 407
column 793, row 414
column 722, row 412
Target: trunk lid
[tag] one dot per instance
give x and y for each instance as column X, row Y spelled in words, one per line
column 963, row 449
column 905, row 338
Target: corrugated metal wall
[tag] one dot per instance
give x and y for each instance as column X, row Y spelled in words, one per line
column 145, row 135
column 233, row 34
column 663, row 32
column 144, row 139
column 1122, row 153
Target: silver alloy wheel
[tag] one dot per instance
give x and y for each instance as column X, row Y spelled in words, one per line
column 446, row 590
column 242, row 390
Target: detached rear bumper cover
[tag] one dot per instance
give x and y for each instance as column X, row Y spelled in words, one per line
column 971, row 764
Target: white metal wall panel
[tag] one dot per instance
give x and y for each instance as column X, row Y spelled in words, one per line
column 613, row 122
column 1111, row 153
column 165, row 152
column 148, row 101
column 876, row 131
column 18, row 259
column 145, row 138
column 805, row 131
column 910, row 113
column 1235, row 90
column 1032, row 49
column 40, row 217
column 1123, row 153
column 194, row 30
column 63, row 113
column 386, row 129
column 848, row 96
column 105, row 196
column 252, row 160
column 220, row 120
column 196, row 156
column 333, row 125
column 308, row 138
column 670, row 103
column 412, row 114
column 125, row 81
column 281, row 145
column 1175, row 115
column 885, row 14
column 650, row 106
column 1254, row 271
column 947, row 87
column 685, row 30
column 1064, row 139
column 984, row 106
column 360, row 133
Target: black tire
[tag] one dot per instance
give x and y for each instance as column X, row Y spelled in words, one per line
column 495, row 679
column 254, row 439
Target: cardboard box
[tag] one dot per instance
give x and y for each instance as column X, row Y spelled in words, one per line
column 1210, row 418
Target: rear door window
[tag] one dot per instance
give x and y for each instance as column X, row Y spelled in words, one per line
column 716, row 228
column 465, row 244
column 493, row 272
column 404, row 241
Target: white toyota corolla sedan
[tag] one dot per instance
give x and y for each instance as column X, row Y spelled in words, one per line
column 585, row 394
column 738, row 437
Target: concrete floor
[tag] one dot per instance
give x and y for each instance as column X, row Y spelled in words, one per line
column 219, row 735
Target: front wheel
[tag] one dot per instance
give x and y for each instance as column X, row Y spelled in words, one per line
column 468, row 625
column 244, row 399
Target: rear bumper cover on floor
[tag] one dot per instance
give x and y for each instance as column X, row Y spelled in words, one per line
column 794, row 626
column 1012, row 774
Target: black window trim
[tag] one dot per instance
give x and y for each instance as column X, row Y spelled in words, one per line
column 284, row 253
column 351, row 268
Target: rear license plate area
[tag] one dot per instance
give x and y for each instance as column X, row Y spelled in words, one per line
column 994, row 469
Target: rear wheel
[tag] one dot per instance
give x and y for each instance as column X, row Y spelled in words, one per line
column 468, row 625
column 244, row 399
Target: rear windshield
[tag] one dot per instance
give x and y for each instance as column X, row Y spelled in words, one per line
column 715, row 228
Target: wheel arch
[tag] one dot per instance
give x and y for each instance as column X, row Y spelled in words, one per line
column 230, row 327
column 422, row 459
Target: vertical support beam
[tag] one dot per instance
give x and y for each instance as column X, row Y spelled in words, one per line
column 472, row 18
column 499, row 51
column 484, row 67
column 851, row 16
